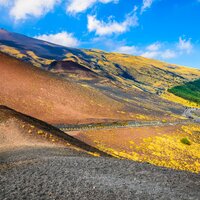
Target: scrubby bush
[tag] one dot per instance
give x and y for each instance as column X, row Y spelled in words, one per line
column 185, row 141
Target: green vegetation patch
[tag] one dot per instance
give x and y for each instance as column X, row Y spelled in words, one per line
column 185, row 141
column 189, row 91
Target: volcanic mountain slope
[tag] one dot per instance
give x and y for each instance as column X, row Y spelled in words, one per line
column 122, row 70
column 53, row 99
column 89, row 84
column 47, row 97
column 63, row 85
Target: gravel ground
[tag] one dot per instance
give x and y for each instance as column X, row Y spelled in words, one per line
column 47, row 173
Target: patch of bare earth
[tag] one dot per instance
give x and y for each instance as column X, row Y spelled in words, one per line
column 14, row 135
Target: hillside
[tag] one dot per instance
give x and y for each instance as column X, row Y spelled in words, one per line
column 119, row 104
column 121, row 70
column 109, row 86
column 51, row 98
column 47, row 97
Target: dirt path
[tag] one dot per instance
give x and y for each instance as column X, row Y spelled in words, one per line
column 191, row 113
column 129, row 124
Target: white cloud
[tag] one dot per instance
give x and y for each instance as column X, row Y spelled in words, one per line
column 127, row 50
column 146, row 4
column 163, row 54
column 156, row 50
column 103, row 28
column 76, row 6
column 151, row 54
column 62, row 38
column 154, row 47
column 167, row 54
column 185, row 45
column 3, row 2
column 23, row 9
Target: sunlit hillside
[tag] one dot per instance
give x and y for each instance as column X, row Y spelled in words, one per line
column 145, row 97
column 99, row 99
column 126, row 70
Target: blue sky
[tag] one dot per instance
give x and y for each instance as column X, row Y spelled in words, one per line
column 167, row 30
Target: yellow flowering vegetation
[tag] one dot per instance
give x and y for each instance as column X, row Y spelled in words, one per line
column 94, row 154
column 166, row 150
column 12, row 51
column 34, row 59
column 142, row 117
column 37, row 61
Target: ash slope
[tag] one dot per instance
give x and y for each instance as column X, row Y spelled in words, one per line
column 50, row 175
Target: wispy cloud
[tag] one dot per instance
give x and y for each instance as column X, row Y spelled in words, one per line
column 167, row 54
column 77, row 6
column 3, row 2
column 154, row 47
column 150, row 54
column 127, row 50
column 62, row 38
column 162, row 54
column 111, row 27
column 185, row 45
column 159, row 50
column 146, row 4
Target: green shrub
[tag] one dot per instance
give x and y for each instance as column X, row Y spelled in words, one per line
column 185, row 141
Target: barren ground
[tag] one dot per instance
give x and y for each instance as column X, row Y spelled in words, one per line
column 46, row 173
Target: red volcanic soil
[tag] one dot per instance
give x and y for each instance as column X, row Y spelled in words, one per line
column 19, row 131
column 43, row 95
column 120, row 138
column 14, row 135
